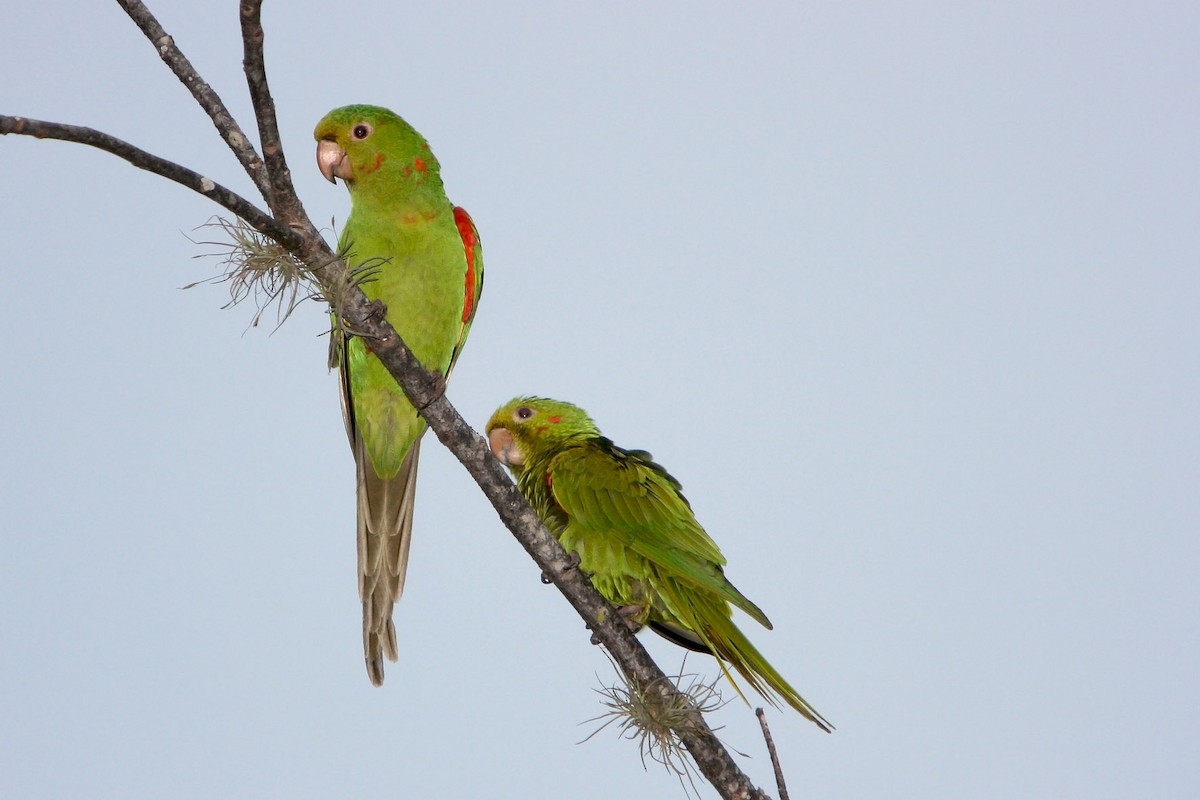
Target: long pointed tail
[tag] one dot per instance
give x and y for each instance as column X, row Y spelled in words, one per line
column 704, row 618
column 385, row 515
column 731, row 645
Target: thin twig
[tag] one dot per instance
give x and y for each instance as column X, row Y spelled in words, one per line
column 256, row 217
column 208, row 99
column 283, row 199
column 762, row 720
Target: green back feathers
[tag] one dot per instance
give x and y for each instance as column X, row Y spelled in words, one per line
column 573, row 476
column 635, row 535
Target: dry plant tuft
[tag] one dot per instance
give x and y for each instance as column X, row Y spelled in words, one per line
column 256, row 266
column 643, row 714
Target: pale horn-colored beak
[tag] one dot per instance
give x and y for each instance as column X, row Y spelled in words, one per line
column 504, row 448
column 333, row 161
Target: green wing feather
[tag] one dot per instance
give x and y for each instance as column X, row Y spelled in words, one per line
column 623, row 494
column 638, row 538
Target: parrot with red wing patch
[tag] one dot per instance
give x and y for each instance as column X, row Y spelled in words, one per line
column 425, row 266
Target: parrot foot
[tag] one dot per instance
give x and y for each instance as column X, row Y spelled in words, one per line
column 573, row 562
column 436, row 390
column 378, row 310
column 630, row 615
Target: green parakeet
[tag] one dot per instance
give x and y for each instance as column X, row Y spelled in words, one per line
column 428, row 272
column 634, row 533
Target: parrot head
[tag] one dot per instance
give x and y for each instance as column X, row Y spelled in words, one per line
column 368, row 145
column 526, row 427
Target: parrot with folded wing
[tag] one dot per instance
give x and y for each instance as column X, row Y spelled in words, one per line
column 634, row 533
column 421, row 258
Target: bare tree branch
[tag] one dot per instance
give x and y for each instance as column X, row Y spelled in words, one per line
column 426, row 390
column 283, row 199
column 712, row 758
column 208, row 100
column 259, row 219
column 779, row 782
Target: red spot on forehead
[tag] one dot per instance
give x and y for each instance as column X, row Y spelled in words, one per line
column 419, row 164
column 466, row 229
column 555, row 419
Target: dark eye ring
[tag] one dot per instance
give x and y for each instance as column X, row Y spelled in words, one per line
column 524, row 412
column 361, row 131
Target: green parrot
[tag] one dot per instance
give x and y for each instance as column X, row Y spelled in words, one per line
column 427, row 268
column 634, row 533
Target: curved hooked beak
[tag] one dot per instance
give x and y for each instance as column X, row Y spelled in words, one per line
column 504, row 448
column 333, row 161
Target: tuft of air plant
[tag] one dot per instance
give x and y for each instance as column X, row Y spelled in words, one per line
column 256, row 266
column 340, row 331
column 351, row 277
column 643, row 714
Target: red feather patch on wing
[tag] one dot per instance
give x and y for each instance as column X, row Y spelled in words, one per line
column 466, row 229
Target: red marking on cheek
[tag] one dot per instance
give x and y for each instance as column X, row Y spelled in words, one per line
column 555, row 419
column 419, row 164
column 549, row 480
column 379, row 159
column 466, row 229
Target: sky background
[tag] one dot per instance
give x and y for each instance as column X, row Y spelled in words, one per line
column 906, row 295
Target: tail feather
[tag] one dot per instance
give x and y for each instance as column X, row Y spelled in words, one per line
column 708, row 617
column 385, row 515
column 731, row 645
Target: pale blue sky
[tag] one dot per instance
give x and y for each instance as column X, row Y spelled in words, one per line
column 906, row 296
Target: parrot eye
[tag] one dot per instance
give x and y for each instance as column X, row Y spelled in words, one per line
column 524, row 412
column 361, row 131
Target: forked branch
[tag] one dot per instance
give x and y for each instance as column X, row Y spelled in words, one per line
column 289, row 226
